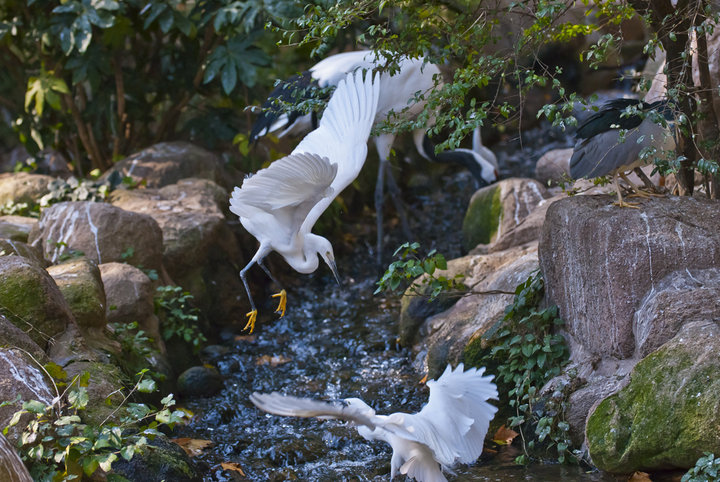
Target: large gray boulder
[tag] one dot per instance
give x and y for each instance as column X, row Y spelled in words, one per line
column 680, row 297
column 12, row 468
column 599, row 261
column 100, row 231
column 21, row 375
column 31, row 300
column 168, row 162
column 200, row 252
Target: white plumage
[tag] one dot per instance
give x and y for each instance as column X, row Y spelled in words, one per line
column 404, row 93
column 449, row 429
column 280, row 204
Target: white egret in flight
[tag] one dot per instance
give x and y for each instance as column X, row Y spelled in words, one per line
column 280, row 204
column 450, row 428
column 403, row 92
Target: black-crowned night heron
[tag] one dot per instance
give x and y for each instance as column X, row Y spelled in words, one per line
column 280, row 204
column 611, row 141
column 450, row 428
column 398, row 91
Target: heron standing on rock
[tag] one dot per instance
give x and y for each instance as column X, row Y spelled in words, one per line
column 611, row 141
column 280, row 204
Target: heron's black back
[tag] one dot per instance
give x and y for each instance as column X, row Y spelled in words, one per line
column 293, row 90
column 611, row 116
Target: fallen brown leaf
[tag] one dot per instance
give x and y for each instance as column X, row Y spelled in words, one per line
column 247, row 338
column 192, row 446
column 640, row 477
column 273, row 361
column 423, row 379
column 504, row 436
column 233, row 467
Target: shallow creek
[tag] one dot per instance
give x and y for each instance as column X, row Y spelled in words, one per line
column 337, row 342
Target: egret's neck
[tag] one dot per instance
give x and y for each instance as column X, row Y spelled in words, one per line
column 306, row 261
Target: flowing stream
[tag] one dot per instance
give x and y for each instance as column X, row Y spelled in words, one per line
column 337, row 342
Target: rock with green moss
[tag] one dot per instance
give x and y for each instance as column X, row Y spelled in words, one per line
column 668, row 414
column 159, row 460
column 105, row 389
column 16, row 228
column 31, row 300
column 496, row 209
column 80, row 283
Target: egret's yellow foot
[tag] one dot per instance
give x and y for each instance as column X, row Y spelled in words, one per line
column 283, row 302
column 252, row 316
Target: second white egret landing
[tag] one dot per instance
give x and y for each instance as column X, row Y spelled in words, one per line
column 450, row 428
column 280, row 204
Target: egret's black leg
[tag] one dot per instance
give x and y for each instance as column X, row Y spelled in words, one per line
column 252, row 315
column 282, row 294
column 379, row 203
column 394, row 192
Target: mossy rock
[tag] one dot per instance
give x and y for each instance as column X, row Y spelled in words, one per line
column 201, row 381
column 668, row 414
column 103, row 390
column 159, row 460
column 8, row 247
column 31, row 300
column 483, row 217
column 80, row 282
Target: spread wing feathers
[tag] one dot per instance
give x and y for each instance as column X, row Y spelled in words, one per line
column 343, row 133
column 345, row 126
column 456, row 418
column 298, row 180
column 290, row 406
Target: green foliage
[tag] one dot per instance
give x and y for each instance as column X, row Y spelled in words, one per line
column 706, row 468
column 179, row 317
column 19, row 209
column 72, row 189
column 527, row 352
column 99, row 79
column 57, row 445
column 411, row 266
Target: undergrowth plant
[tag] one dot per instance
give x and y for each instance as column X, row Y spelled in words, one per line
column 180, row 318
column 527, row 353
column 411, row 265
column 706, row 468
column 57, row 445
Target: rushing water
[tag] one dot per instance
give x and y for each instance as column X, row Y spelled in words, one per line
column 337, row 342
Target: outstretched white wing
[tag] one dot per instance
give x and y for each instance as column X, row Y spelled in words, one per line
column 288, row 190
column 343, row 133
column 456, row 418
column 290, row 406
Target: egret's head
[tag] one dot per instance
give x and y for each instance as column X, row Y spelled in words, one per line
column 327, row 254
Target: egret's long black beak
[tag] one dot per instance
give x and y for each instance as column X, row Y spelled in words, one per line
column 334, row 269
